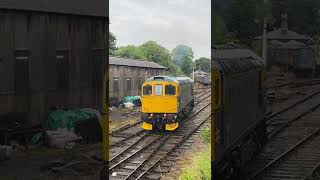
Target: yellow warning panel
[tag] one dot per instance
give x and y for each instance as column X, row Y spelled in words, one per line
column 146, row 126
column 172, row 126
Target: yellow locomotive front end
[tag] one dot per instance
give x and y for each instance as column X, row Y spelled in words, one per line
column 160, row 104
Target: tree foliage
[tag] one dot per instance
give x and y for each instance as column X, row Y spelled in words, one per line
column 220, row 33
column 244, row 18
column 242, row 21
column 204, row 63
column 182, row 56
column 112, row 43
column 154, row 52
column 180, row 53
column 175, row 70
column 303, row 15
column 129, row 51
column 187, row 66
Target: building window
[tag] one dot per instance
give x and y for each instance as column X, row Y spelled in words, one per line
column 158, row 89
column 63, row 69
column 97, row 71
column 170, row 90
column 115, row 84
column 147, row 90
column 139, row 83
column 22, row 75
column 128, row 84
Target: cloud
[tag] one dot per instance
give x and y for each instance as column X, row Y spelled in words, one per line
column 169, row 22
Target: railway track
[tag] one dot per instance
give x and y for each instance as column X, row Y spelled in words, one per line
column 292, row 150
column 131, row 131
column 294, row 84
column 202, row 94
column 151, row 151
column 296, row 162
column 277, row 120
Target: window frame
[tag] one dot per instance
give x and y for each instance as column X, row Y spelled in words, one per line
column 156, row 85
column 145, row 86
column 115, row 79
column 129, row 88
column 165, row 90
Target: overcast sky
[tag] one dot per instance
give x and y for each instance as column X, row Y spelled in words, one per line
column 169, row 22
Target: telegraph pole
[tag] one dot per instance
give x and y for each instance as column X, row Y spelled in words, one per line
column 264, row 41
column 264, row 38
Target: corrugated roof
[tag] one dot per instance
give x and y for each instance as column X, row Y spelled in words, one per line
column 133, row 62
column 292, row 44
column 97, row 8
column 279, row 35
column 232, row 61
column 233, row 54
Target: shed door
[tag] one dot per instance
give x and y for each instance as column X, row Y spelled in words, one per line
column 63, row 70
column 22, row 75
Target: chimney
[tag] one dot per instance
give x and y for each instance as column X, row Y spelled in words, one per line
column 284, row 23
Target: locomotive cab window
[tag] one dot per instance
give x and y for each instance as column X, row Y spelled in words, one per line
column 158, row 89
column 170, row 90
column 147, row 90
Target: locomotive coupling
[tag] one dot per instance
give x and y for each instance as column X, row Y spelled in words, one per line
column 162, row 121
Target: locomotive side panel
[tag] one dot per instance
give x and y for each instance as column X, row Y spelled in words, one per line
column 185, row 95
column 241, row 105
column 240, row 128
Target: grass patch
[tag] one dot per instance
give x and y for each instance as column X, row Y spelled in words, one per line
column 205, row 135
column 200, row 168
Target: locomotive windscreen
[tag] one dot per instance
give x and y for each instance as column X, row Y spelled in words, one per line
column 158, row 90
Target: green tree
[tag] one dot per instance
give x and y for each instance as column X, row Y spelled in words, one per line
column 151, row 51
column 220, row 33
column 204, row 63
column 303, row 15
column 129, row 51
column 175, row 70
column 154, row 52
column 187, row 66
column 242, row 21
column 180, row 53
column 112, row 43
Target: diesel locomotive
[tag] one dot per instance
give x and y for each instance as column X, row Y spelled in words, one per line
column 166, row 101
column 239, row 109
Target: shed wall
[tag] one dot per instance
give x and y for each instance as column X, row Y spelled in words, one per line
column 43, row 41
column 122, row 73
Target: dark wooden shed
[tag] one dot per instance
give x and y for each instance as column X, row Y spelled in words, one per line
column 52, row 54
column 126, row 76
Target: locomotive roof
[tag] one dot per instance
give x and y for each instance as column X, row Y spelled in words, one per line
column 232, row 61
column 180, row 80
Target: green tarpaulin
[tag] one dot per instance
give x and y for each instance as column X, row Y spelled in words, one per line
column 66, row 119
column 131, row 98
